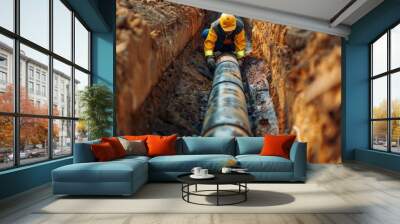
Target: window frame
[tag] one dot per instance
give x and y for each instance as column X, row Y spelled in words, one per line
column 388, row 74
column 16, row 115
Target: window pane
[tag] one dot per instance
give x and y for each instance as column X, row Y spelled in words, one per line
column 6, row 74
column 395, row 94
column 81, row 45
column 81, row 131
column 62, row 29
column 395, row 47
column 6, row 142
column 62, row 138
column 62, row 89
column 379, row 55
column 35, row 21
column 379, row 135
column 7, row 14
column 33, row 140
column 395, row 136
column 379, row 97
column 81, row 81
column 34, row 72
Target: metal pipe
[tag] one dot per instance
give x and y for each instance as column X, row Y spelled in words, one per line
column 227, row 109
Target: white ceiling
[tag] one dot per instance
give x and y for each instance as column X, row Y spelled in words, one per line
column 316, row 15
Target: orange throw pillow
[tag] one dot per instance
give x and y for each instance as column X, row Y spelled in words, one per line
column 116, row 145
column 103, row 152
column 161, row 145
column 135, row 137
column 277, row 145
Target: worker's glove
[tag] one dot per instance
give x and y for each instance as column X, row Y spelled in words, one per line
column 240, row 54
column 211, row 63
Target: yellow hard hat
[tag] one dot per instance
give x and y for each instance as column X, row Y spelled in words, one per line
column 227, row 22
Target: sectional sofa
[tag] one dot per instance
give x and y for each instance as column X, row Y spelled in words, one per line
column 125, row 176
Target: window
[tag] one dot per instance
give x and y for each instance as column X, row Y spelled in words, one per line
column 3, row 78
column 35, row 21
column 37, row 89
column 30, row 72
column 7, row 14
column 62, row 29
column 6, row 142
column 49, row 80
column 62, row 137
column 385, row 92
column 30, row 87
column 3, row 61
column 6, row 73
column 44, row 91
column 62, row 74
column 37, row 74
column 81, row 45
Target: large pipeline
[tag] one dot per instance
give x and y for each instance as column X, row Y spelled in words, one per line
column 227, row 109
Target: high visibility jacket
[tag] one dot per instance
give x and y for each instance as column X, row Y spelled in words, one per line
column 217, row 35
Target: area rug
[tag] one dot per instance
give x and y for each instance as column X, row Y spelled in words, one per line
column 166, row 198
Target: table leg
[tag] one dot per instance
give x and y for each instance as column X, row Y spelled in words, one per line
column 217, row 194
column 245, row 193
column 196, row 187
column 188, row 190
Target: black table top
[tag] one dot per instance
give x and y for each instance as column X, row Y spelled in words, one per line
column 220, row 178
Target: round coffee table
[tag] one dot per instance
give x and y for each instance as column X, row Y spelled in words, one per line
column 238, row 179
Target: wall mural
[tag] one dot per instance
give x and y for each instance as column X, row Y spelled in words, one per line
column 195, row 72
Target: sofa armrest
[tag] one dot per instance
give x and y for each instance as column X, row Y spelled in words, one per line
column 298, row 155
column 83, row 152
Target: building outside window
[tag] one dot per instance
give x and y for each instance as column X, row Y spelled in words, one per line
column 30, row 87
column 57, row 128
column 385, row 91
column 43, row 90
column 30, row 72
column 3, row 72
column 3, row 60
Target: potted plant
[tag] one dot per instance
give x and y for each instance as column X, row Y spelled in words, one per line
column 96, row 102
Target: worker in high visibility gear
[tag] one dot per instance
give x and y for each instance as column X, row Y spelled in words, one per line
column 226, row 34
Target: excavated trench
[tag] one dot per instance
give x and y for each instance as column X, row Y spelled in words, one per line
column 291, row 77
column 167, row 90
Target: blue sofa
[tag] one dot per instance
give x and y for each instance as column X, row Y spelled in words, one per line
column 125, row 176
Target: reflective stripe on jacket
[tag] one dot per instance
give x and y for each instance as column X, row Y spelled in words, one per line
column 217, row 35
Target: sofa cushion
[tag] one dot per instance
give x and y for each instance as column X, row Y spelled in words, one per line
column 134, row 147
column 112, row 171
column 116, row 145
column 103, row 152
column 161, row 145
column 277, row 145
column 83, row 152
column 185, row 163
column 206, row 145
column 249, row 145
column 257, row 163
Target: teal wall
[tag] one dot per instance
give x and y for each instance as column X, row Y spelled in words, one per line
column 24, row 178
column 355, row 83
column 99, row 16
column 103, row 51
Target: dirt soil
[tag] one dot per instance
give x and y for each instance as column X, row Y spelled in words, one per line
column 305, row 84
column 261, row 107
column 151, row 34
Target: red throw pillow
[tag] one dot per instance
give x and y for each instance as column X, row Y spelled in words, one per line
column 277, row 145
column 161, row 145
column 116, row 145
column 103, row 152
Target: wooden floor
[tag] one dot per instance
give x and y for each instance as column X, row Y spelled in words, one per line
column 378, row 189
